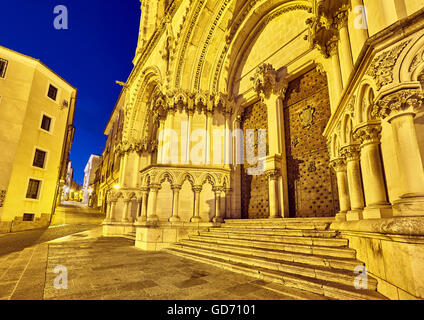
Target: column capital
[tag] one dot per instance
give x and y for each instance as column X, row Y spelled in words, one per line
column 339, row 164
column 264, row 80
column 176, row 187
column 351, row 152
column 272, row 174
column 197, row 189
column 396, row 103
column 218, row 189
column 155, row 187
column 368, row 132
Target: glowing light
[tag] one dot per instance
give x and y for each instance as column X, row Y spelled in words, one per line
column 117, row 186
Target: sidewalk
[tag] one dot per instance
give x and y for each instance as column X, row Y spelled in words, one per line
column 102, row 268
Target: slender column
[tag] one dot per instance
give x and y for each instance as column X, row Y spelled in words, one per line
column 190, row 128
column 371, row 165
column 218, row 213
column 151, row 209
column 339, row 166
column 352, row 154
column 143, row 215
column 273, row 199
column 228, row 144
column 112, row 210
column 176, row 190
column 161, row 137
column 228, row 193
column 345, row 51
column 108, row 212
column 125, row 211
column 209, row 115
column 139, row 204
column 196, row 217
column 337, row 76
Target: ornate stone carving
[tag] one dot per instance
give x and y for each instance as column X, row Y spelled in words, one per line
column 399, row 101
column 272, row 174
column 2, row 197
column 351, row 152
column 312, row 167
column 339, row 165
column 381, row 68
column 368, row 133
column 264, row 79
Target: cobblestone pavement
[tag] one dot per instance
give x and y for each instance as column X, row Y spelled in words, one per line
column 113, row 269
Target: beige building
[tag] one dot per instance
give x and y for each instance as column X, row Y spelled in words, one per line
column 36, row 115
column 89, row 177
column 302, row 117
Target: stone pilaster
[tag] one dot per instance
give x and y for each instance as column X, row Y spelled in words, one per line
column 151, row 209
column 273, row 199
column 218, row 212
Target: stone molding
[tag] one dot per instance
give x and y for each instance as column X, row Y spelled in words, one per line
column 351, row 152
column 339, row 165
column 369, row 132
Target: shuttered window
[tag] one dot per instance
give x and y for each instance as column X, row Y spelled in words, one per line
column 33, row 189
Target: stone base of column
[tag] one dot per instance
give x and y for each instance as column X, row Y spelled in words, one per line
column 141, row 219
column 218, row 219
column 409, row 207
column 174, row 219
column 378, row 212
column 153, row 218
column 341, row 216
column 354, row 215
column 195, row 219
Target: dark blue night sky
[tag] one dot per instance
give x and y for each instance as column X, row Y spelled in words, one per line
column 91, row 55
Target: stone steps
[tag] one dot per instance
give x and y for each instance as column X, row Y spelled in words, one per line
column 300, row 253
column 311, row 241
column 328, row 289
column 308, row 249
column 130, row 235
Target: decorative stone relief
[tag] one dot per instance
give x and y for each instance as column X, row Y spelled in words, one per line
column 381, row 68
column 399, row 101
column 2, row 197
column 307, row 117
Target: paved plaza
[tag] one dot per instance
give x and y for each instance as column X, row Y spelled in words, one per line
column 100, row 268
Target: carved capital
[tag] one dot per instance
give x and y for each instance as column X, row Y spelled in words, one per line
column 197, row 189
column 399, row 101
column 368, row 133
column 272, row 174
column 176, row 188
column 339, row 165
column 351, row 152
column 218, row 190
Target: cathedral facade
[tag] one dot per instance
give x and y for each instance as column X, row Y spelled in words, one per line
column 278, row 110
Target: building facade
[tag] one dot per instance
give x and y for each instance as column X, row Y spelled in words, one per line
column 280, row 110
column 89, row 177
column 37, row 109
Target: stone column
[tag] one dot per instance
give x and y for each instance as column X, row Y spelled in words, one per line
column 125, row 211
column 108, row 212
column 218, row 213
column 151, row 209
column 176, row 191
column 143, row 215
column 209, row 116
column 273, row 199
column 190, row 128
column 352, row 154
column 399, row 109
column 112, row 210
column 228, row 193
column 372, row 170
column 161, row 137
column 228, row 144
column 360, row 31
column 336, row 72
column 345, row 51
column 339, row 166
column 139, row 204
column 196, row 217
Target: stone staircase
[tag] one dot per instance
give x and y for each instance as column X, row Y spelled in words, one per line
column 298, row 253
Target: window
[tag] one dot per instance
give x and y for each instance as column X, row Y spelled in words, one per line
column 46, row 123
column 52, row 92
column 39, row 158
column 3, row 67
column 33, row 189
column 28, row 217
